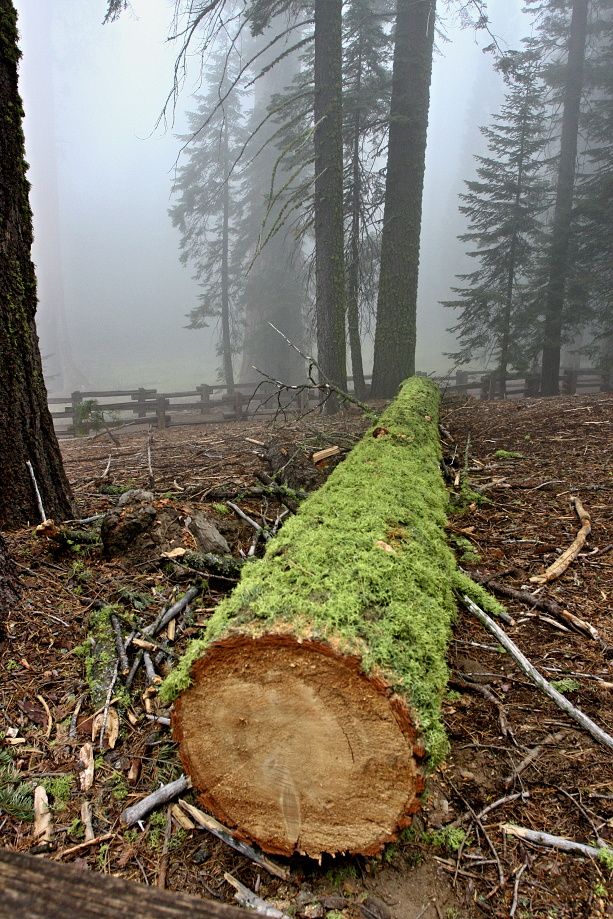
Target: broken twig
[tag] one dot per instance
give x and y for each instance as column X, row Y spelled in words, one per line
column 556, row 842
column 562, row 563
column 166, row 793
column 526, row 667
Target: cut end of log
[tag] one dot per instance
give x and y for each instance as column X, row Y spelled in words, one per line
column 295, row 745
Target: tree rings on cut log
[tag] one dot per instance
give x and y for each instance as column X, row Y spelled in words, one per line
column 297, row 747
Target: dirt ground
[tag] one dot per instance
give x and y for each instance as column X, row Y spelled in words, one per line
column 525, row 460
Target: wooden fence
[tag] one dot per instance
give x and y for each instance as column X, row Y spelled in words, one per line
column 485, row 385
column 82, row 412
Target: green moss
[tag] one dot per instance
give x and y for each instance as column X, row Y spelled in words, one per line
column 567, row 684
column 364, row 564
column 101, row 654
column 605, row 857
column 506, row 454
column 58, row 788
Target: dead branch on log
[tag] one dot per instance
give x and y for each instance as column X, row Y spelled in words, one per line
column 221, row 832
column 526, row 667
column 557, row 842
column 562, row 563
column 213, row 565
column 138, row 811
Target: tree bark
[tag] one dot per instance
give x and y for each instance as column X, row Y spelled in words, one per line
column 353, row 269
column 10, row 589
column 26, row 428
column 395, row 335
column 562, row 219
column 306, row 714
column 329, row 247
column 226, row 338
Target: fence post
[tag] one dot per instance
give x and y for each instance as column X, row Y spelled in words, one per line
column 238, row 405
column 161, row 406
column 605, row 381
column 205, row 398
column 569, row 382
column 140, row 398
column 76, row 399
column 533, row 385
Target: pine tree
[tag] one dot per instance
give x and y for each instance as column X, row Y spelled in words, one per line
column 208, row 205
column 273, row 291
column 594, row 195
column 560, row 246
column 504, row 207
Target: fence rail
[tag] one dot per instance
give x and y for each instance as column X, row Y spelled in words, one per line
column 207, row 403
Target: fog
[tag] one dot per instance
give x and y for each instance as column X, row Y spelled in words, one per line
column 107, row 255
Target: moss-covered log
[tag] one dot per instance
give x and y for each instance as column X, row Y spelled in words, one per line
column 308, row 713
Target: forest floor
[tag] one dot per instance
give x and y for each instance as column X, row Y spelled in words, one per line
column 528, row 457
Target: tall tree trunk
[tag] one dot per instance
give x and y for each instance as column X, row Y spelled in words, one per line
column 226, row 339
column 353, row 269
column 510, row 286
column 562, row 219
column 26, row 428
column 329, row 247
column 395, row 334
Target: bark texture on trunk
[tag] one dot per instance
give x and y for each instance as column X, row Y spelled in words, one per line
column 394, row 357
column 10, row 590
column 26, row 428
column 307, row 714
column 329, row 245
column 562, row 219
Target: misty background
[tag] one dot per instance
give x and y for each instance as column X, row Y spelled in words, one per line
column 113, row 294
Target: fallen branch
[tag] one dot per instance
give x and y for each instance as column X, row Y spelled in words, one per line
column 542, row 603
column 562, row 563
column 251, row 900
column 526, row 667
column 85, row 845
column 166, row 615
column 138, row 811
column 221, row 832
column 457, row 681
column 532, row 756
column 557, row 842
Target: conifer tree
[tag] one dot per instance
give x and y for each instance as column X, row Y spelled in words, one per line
column 208, row 205
column 504, row 207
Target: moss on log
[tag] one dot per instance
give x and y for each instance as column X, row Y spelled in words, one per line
column 310, row 711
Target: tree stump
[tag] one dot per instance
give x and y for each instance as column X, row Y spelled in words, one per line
column 309, row 712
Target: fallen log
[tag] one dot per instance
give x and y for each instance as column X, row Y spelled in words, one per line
column 310, row 711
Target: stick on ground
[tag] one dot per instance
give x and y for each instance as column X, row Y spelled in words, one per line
column 526, row 667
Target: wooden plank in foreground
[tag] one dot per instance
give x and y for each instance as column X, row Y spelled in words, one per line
column 37, row 888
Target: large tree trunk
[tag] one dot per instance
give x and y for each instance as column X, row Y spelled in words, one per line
column 562, row 219
column 395, row 335
column 307, row 714
column 26, row 428
column 226, row 337
column 10, row 589
column 329, row 248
